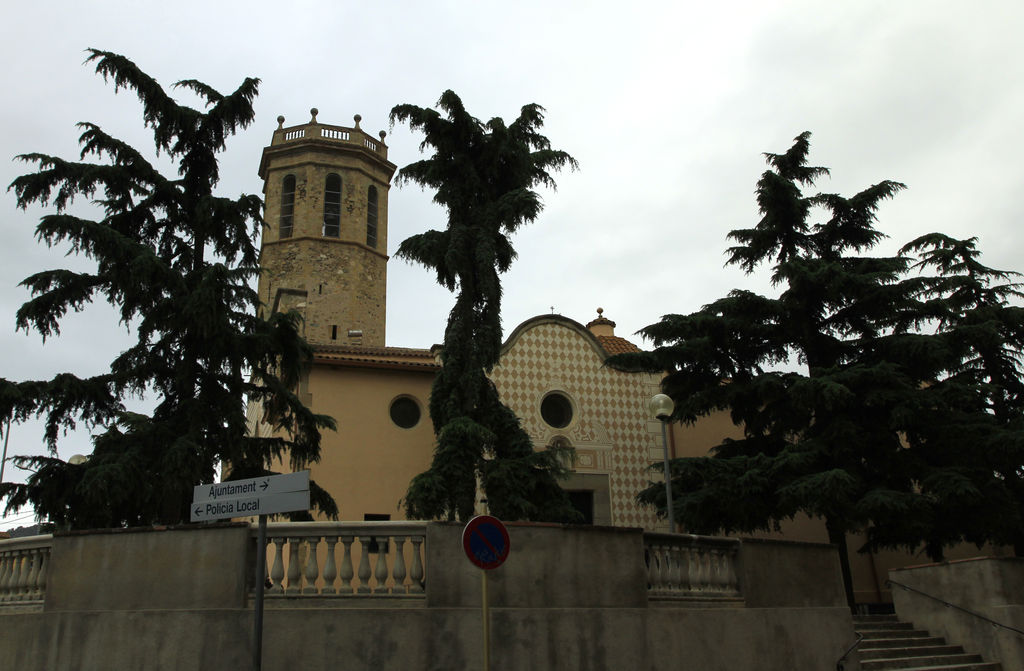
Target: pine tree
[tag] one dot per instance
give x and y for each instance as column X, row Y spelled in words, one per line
column 484, row 175
column 977, row 397
column 176, row 261
column 828, row 439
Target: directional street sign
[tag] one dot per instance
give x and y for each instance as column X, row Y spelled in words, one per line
column 255, row 496
column 268, row 484
column 486, row 541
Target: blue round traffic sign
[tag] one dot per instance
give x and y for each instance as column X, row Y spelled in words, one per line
column 486, row 542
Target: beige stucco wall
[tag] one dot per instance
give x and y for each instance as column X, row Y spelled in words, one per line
column 368, row 462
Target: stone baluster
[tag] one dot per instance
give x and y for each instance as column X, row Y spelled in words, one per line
column 346, row 565
column 696, row 574
column 679, row 569
column 17, row 575
column 685, row 568
column 44, row 556
column 381, row 572
column 277, row 569
column 734, row 586
column 312, row 566
column 658, row 557
column 364, row 565
column 5, row 573
column 398, row 570
column 652, row 567
column 667, row 567
column 330, row 570
column 294, row 574
column 710, row 560
column 32, row 558
column 659, row 571
column 726, row 579
column 17, row 583
column 416, row 572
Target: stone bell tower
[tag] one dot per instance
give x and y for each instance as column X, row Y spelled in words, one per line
column 324, row 249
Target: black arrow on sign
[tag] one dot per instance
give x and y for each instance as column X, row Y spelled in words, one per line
column 265, row 484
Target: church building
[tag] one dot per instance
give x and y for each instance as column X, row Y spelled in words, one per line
column 324, row 253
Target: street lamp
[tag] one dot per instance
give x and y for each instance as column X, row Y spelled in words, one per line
column 661, row 406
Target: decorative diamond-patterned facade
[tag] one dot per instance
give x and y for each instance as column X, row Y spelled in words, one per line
column 609, row 430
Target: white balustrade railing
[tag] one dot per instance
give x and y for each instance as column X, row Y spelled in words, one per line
column 340, row 134
column 340, row 559
column 334, row 133
column 23, row 563
column 685, row 566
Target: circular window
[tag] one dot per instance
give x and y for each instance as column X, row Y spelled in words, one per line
column 556, row 409
column 405, row 412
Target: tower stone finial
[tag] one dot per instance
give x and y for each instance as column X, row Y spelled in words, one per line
column 358, row 118
column 280, row 121
column 382, row 135
column 313, row 112
column 602, row 326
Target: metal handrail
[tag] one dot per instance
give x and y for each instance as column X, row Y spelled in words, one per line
column 841, row 662
column 947, row 604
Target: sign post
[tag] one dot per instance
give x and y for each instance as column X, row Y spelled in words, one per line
column 263, row 496
column 486, row 542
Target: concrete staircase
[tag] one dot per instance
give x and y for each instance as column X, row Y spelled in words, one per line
column 891, row 644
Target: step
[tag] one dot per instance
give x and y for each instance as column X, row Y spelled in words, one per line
column 881, row 643
column 979, row 666
column 911, row 651
column 936, row 661
column 890, row 617
column 888, row 634
column 882, row 625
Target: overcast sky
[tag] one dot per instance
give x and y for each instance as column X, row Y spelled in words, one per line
column 666, row 106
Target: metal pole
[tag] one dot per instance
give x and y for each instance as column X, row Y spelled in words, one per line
column 487, row 625
column 668, row 479
column 261, row 573
column 7, row 436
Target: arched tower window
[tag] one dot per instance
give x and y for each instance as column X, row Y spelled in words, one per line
column 371, row 216
column 332, row 206
column 287, row 206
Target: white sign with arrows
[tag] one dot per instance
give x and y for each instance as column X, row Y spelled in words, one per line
column 256, row 496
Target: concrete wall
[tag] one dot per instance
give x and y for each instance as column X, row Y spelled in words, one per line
column 549, row 566
column 139, row 569
column 784, row 574
column 567, row 597
column 993, row 587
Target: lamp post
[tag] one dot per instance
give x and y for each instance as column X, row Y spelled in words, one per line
column 661, row 406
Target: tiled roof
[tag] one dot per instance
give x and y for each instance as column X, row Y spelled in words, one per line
column 377, row 357
column 616, row 345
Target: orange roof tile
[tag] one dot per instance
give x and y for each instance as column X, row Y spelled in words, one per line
column 616, row 345
column 378, row 357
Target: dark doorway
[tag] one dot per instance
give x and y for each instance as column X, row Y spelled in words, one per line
column 583, row 502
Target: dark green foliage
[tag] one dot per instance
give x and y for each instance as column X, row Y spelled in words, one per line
column 484, row 175
column 892, row 423
column 176, row 261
